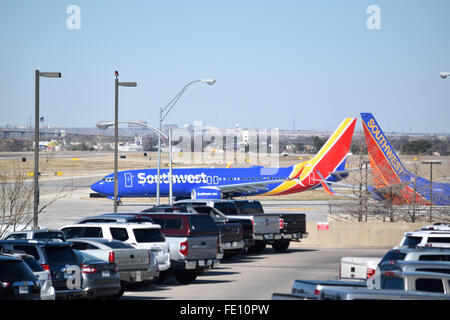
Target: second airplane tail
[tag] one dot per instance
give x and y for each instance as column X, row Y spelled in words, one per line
column 386, row 166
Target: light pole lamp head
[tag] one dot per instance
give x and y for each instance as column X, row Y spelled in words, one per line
column 444, row 75
column 50, row 74
column 103, row 125
column 209, row 81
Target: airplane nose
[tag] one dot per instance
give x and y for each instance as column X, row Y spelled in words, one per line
column 97, row 186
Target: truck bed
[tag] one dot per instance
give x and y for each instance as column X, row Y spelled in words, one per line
column 230, row 232
column 357, row 267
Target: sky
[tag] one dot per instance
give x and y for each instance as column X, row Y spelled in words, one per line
column 277, row 64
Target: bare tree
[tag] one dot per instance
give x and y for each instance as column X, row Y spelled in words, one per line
column 16, row 195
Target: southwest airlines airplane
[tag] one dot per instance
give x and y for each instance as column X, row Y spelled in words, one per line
column 216, row 183
column 391, row 179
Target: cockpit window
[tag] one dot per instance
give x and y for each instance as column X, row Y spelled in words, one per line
column 108, row 179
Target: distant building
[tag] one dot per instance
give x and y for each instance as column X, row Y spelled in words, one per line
column 167, row 127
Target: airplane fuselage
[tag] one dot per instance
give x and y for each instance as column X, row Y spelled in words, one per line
column 143, row 183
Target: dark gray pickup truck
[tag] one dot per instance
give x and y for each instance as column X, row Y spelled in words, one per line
column 292, row 225
column 268, row 228
column 288, row 226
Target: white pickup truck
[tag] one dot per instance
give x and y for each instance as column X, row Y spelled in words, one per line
column 358, row 268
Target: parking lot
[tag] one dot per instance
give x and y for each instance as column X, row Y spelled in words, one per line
column 242, row 277
column 256, row 277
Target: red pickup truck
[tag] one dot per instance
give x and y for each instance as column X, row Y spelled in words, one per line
column 193, row 243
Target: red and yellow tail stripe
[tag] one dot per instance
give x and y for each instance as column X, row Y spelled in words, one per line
column 329, row 157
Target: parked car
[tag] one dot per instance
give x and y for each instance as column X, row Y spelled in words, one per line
column 428, row 238
column 433, row 236
column 139, row 235
column 56, row 257
column 405, row 266
column 100, row 278
column 44, row 276
column 395, row 285
column 17, row 281
column 114, row 217
column 136, row 266
column 356, row 293
column 292, row 225
column 266, row 228
column 40, row 234
column 416, row 254
column 219, row 217
column 438, row 226
column 231, row 232
column 358, row 268
column 314, row 287
column 194, row 243
column 414, row 281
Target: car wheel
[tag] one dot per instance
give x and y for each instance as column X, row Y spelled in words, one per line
column 257, row 247
column 280, row 245
column 185, row 277
column 119, row 294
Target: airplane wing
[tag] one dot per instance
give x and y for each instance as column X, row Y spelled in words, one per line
column 339, row 174
column 248, row 186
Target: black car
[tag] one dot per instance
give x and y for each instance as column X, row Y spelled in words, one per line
column 57, row 257
column 17, row 281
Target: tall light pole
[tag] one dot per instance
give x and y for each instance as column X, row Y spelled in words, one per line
column 431, row 162
column 106, row 124
column 38, row 74
column 162, row 115
column 116, row 131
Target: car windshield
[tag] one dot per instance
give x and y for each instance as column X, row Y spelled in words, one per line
column 33, row 264
column 411, row 241
column 148, row 235
column 438, row 240
column 81, row 231
column 392, row 255
column 250, row 208
column 86, row 257
column 12, row 271
column 393, row 283
column 202, row 223
column 430, row 285
column 227, row 208
column 49, row 235
column 60, row 254
column 117, row 245
column 434, row 257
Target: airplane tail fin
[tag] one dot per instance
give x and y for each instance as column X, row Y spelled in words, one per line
column 386, row 166
column 333, row 154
